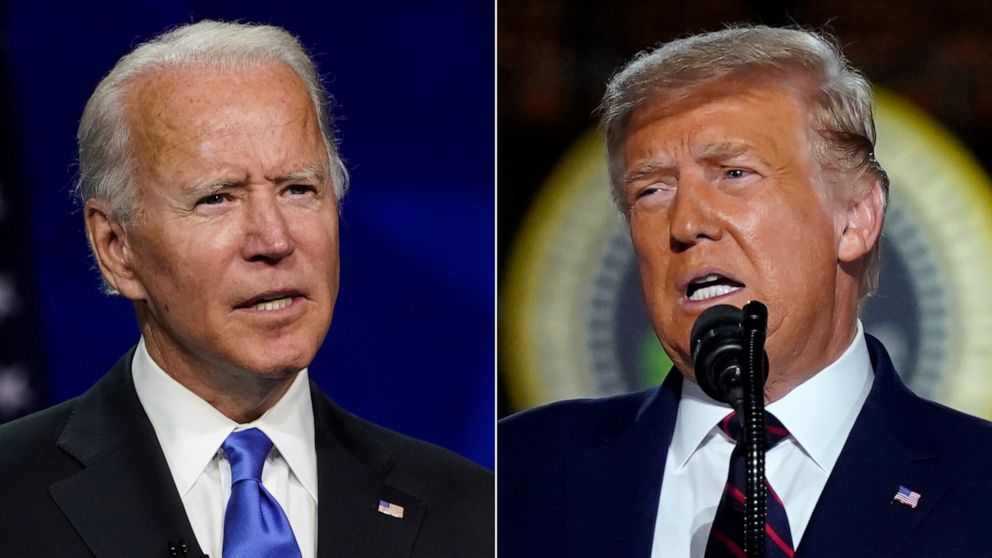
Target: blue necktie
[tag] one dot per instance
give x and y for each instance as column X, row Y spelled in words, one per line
column 727, row 533
column 254, row 525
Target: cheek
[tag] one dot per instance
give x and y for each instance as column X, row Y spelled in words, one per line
column 649, row 236
column 205, row 251
column 317, row 242
column 651, row 267
column 793, row 227
column 154, row 261
column 816, row 239
column 191, row 265
column 319, row 234
column 798, row 262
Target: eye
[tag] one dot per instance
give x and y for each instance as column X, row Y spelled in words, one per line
column 654, row 188
column 651, row 197
column 735, row 174
column 212, row 199
column 646, row 192
column 299, row 189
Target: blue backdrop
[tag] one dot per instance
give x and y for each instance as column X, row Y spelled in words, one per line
column 412, row 343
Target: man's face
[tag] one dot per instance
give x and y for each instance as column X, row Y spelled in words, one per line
column 234, row 251
column 725, row 206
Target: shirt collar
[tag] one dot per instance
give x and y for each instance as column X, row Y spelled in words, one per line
column 819, row 413
column 191, row 430
column 697, row 418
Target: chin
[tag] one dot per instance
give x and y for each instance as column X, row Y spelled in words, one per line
column 270, row 369
column 274, row 361
column 276, row 373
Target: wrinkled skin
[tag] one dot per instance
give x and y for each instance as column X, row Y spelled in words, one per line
column 236, row 206
column 728, row 184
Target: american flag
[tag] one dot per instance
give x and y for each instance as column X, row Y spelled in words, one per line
column 391, row 509
column 907, row 497
column 22, row 377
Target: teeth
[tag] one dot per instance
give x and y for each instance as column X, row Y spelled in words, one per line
column 708, row 278
column 711, row 292
column 277, row 304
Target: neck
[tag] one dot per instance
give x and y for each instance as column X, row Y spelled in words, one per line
column 244, row 403
column 240, row 395
column 808, row 361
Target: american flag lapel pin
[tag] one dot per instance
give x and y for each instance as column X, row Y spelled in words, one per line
column 907, row 497
column 391, row 509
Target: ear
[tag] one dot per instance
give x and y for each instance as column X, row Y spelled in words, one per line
column 862, row 223
column 109, row 243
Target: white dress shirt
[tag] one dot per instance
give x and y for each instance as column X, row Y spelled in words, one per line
column 191, row 432
column 819, row 415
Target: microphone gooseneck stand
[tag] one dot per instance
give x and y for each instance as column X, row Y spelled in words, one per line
column 728, row 352
column 755, row 320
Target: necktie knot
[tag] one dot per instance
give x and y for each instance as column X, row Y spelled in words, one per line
column 246, row 451
column 774, row 430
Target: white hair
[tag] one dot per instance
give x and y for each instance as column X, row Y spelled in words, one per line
column 837, row 97
column 106, row 161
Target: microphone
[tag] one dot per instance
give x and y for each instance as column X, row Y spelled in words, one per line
column 731, row 365
column 181, row 546
column 717, row 346
column 181, row 549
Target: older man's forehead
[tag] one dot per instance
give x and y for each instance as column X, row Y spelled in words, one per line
column 155, row 97
column 194, row 112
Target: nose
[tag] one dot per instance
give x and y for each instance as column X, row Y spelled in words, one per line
column 268, row 237
column 691, row 216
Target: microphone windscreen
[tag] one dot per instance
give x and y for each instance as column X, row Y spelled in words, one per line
column 714, row 317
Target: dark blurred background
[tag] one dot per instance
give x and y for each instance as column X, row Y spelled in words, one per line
column 554, row 58
column 411, row 346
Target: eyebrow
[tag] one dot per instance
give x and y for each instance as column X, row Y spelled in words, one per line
column 726, row 150
column 315, row 173
column 646, row 169
column 208, row 187
column 721, row 149
column 707, row 152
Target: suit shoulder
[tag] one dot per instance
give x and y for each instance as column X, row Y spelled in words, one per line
column 420, row 455
column 31, row 461
column 409, row 460
column 572, row 421
column 32, row 433
column 951, row 428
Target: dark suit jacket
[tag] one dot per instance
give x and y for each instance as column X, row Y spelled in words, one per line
column 583, row 478
column 88, row 478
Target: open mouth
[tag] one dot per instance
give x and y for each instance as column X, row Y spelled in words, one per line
column 711, row 286
column 270, row 302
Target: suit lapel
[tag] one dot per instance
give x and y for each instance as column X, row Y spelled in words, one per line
column 351, row 481
column 615, row 515
column 124, row 501
column 855, row 515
